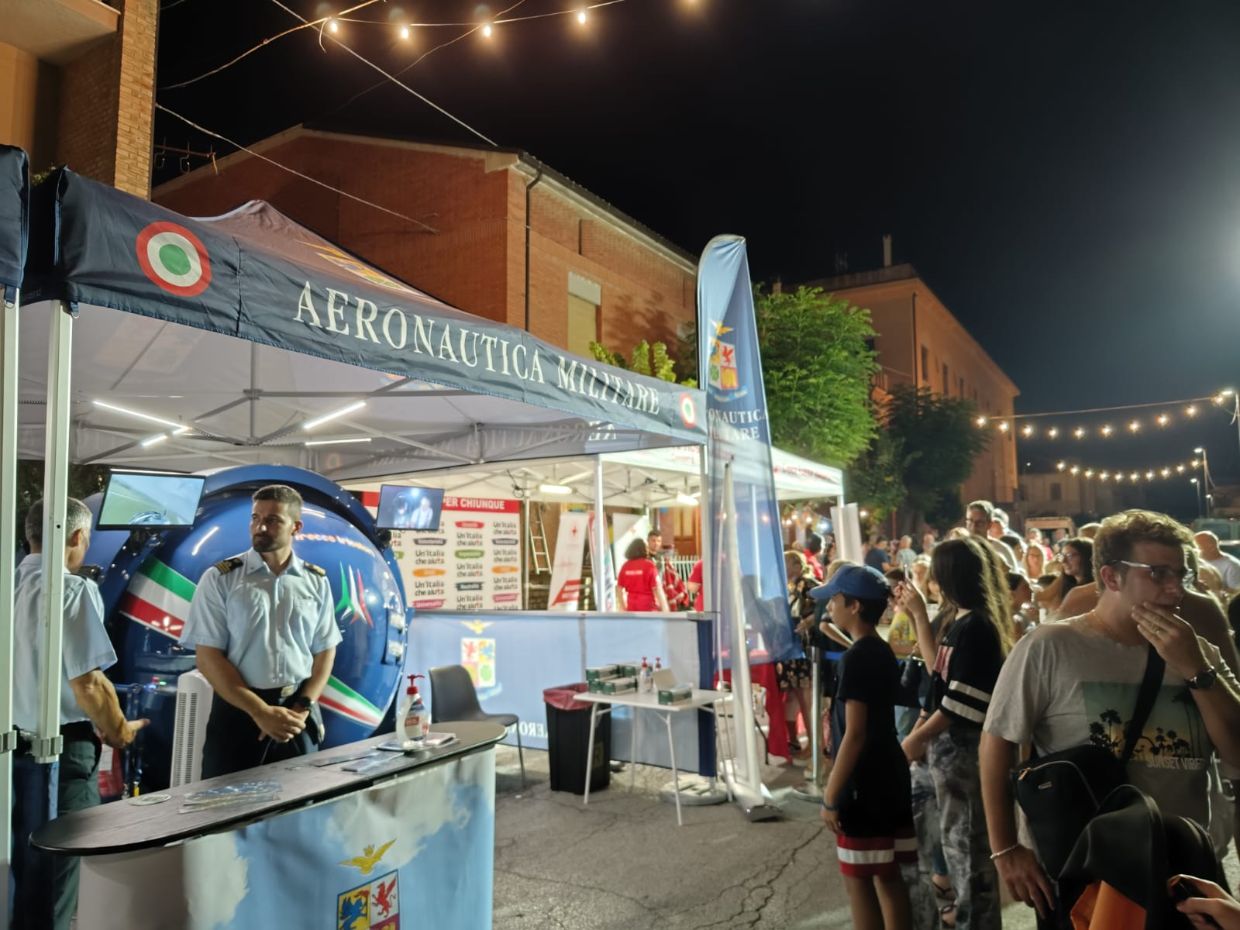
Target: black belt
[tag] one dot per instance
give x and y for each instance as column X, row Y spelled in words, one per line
column 81, row 731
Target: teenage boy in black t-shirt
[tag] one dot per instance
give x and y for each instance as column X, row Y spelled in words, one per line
column 867, row 800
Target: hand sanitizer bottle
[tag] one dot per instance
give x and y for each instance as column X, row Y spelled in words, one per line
column 645, row 677
column 413, row 723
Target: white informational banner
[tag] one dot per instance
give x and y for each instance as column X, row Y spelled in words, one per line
column 627, row 527
column 847, row 522
column 570, row 548
column 472, row 562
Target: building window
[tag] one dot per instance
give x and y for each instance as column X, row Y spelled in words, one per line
column 925, row 364
column 585, row 298
column 1056, row 491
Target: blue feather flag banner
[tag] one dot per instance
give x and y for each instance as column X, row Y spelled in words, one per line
column 730, row 367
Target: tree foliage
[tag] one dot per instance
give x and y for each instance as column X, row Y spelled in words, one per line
column 876, row 477
column 937, row 445
column 818, row 367
column 651, row 359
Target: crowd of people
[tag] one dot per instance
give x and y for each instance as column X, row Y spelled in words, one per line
column 988, row 653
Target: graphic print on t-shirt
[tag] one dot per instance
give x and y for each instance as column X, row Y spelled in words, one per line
column 1174, row 736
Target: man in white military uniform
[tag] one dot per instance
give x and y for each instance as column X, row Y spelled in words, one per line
column 265, row 634
column 46, row 885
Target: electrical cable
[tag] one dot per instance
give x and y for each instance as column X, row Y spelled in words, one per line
column 305, row 177
column 370, row 64
column 261, row 45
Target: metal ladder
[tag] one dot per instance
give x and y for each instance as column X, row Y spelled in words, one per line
column 539, row 559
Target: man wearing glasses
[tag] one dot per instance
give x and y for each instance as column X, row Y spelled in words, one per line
column 1075, row 683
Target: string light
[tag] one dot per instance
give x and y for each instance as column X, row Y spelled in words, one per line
column 582, row 16
column 1149, row 474
column 1161, row 419
column 333, row 25
column 486, row 31
column 404, row 33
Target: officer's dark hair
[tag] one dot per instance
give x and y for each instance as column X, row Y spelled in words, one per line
column 637, row 550
column 871, row 610
column 281, row 494
column 77, row 517
column 813, row 543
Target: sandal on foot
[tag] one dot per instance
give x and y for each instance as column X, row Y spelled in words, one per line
column 947, row 914
column 943, row 894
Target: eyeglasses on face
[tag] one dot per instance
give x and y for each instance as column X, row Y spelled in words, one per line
column 1162, row 574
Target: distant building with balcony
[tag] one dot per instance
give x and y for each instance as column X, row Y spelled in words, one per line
column 920, row 342
column 77, row 84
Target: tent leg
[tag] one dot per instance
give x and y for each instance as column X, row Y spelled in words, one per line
column 55, row 491
column 599, row 564
column 8, row 558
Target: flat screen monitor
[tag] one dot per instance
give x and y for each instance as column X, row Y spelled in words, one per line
column 140, row 500
column 402, row 507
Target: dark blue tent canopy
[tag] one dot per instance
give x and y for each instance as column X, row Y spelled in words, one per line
column 14, row 216
column 255, row 275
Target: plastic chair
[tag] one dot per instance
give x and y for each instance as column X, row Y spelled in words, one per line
column 453, row 698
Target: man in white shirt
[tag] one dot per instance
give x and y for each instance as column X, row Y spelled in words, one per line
column 1227, row 565
column 46, row 885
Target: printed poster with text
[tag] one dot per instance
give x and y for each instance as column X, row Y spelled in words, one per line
column 472, row 563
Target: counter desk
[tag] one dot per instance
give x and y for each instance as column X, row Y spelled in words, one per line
column 332, row 849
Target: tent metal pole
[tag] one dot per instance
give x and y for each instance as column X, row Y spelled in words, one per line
column 55, row 491
column 707, row 508
column 599, row 563
column 8, row 559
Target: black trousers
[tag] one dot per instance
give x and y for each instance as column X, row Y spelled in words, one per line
column 234, row 742
column 46, row 885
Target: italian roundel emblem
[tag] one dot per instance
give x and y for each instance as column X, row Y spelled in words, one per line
column 688, row 410
column 174, row 259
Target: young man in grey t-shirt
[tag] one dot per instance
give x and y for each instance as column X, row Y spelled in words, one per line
column 1076, row 682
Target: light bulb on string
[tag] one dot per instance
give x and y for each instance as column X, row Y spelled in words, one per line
column 1053, row 432
column 1079, row 432
column 1004, row 426
column 1134, row 476
column 333, row 26
column 1195, row 463
column 1179, row 469
column 404, row 33
column 1166, row 472
column 582, row 16
column 486, row 30
column 1074, row 470
column 1027, row 431
column 1061, row 465
column 980, row 421
column 1163, row 419
column 1107, row 430
column 1134, row 426
column 1149, row 475
column 1089, row 473
column 1191, row 410
column 1105, row 476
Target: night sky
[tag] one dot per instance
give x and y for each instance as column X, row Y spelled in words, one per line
column 1065, row 175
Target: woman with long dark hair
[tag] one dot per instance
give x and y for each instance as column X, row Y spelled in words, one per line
column 1077, row 560
column 965, row 661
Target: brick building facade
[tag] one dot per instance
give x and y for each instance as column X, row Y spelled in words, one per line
column 77, row 82
column 920, row 342
column 592, row 272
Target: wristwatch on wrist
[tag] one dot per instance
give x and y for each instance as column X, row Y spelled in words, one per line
column 305, row 703
column 1203, row 679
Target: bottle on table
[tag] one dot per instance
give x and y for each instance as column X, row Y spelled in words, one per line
column 413, row 723
column 645, row 677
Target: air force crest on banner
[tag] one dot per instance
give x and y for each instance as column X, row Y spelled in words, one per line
column 478, row 657
column 722, row 372
column 373, row 906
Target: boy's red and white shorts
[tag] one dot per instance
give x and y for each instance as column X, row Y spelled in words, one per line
column 876, row 856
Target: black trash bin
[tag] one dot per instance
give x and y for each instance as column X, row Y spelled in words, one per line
column 568, row 731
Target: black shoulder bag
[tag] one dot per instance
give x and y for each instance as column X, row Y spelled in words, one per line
column 1061, row 792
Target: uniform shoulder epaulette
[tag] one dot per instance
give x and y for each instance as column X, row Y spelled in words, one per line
column 318, row 570
column 228, row 565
